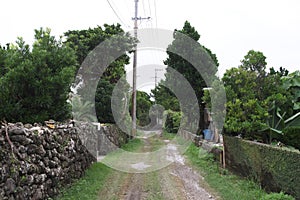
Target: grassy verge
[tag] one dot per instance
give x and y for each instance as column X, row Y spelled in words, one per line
column 157, row 142
column 227, row 185
column 88, row 186
column 168, row 136
column 94, row 179
column 133, row 145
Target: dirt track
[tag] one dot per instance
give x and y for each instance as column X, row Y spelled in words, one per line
column 178, row 181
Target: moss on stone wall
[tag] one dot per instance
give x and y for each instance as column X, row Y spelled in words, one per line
column 275, row 168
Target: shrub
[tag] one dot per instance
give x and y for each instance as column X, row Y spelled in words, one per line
column 292, row 136
column 277, row 196
column 172, row 122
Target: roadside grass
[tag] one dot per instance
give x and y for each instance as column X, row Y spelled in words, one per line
column 168, row 136
column 157, row 142
column 133, row 145
column 227, row 185
column 91, row 183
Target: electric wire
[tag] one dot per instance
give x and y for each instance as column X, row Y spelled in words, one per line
column 155, row 13
column 149, row 8
column 144, row 7
column 120, row 19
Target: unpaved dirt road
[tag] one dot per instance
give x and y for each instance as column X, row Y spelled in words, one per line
column 178, row 181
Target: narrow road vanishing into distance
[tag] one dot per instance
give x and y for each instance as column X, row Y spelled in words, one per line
column 178, row 181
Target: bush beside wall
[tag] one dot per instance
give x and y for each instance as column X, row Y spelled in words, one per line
column 276, row 169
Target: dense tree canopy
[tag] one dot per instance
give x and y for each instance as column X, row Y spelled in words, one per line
column 254, row 96
column 163, row 95
column 35, row 84
column 83, row 42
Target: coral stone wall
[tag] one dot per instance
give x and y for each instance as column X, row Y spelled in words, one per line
column 36, row 161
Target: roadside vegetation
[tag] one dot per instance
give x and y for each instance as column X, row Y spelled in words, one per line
column 227, row 185
column 263, row 104
column 91, row 183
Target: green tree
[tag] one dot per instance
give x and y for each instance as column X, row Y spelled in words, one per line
column 251, row 96
column 81, row 110
column 291, row 82
column 83, row 42
column 37, row 82
column 143, row 106
column 3, row 53
column 254, row 61
column 186, row 69
column 164, row 97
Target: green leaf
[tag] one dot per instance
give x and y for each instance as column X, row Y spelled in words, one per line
column 293, row 120
column 276, row 131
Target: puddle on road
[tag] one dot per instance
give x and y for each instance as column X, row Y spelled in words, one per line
column 140, row 166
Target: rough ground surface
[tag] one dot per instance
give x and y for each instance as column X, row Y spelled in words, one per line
column 178, row 181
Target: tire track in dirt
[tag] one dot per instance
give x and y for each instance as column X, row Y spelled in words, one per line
column 113, row 186
column 133, row 190
column 172, row 186
column 176, row 182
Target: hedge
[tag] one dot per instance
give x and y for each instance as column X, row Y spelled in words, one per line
column 274, row 168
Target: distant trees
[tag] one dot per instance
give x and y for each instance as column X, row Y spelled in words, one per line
column 143, row 106
column 35, row 83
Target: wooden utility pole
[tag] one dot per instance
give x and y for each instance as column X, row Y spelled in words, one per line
column 136, row 18
column 133, row 133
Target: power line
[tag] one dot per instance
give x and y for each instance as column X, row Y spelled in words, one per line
column 144, row 7
column 150, row 13
column 155, row 13
column 117, row 14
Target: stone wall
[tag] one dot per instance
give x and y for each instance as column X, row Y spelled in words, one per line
column 110, row 138
column 36, row 161
column 101, row 139
column 276, row 169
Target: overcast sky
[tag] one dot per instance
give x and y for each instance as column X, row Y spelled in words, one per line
column 230, row 28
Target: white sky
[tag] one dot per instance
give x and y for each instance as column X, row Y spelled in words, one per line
column 229, row 28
